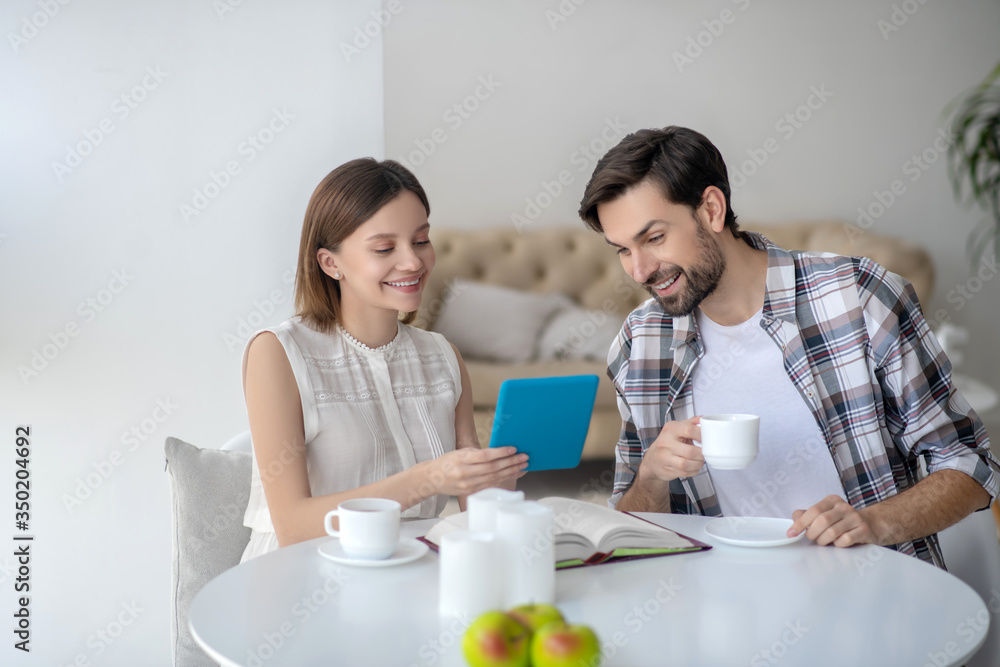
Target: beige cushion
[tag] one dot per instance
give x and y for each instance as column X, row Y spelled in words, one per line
column 575, row 333
column 496, row 323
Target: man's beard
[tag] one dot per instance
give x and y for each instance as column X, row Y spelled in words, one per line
column 701, row 278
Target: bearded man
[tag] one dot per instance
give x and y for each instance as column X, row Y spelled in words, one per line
column 832, row 352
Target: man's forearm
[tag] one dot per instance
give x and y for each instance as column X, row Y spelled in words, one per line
column 941, row 499
column 645, row 495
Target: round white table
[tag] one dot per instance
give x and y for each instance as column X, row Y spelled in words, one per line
column 798, row 604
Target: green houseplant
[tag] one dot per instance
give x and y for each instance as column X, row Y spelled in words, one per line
column 974, row 160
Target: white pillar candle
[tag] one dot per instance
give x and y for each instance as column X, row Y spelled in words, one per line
column 483, row 506
column 525, row 530
column 470, row 573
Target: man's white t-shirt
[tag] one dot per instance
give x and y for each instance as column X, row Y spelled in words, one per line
column 743, row 372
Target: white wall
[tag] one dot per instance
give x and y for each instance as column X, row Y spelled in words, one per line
column 158, row 333
column 560, row 80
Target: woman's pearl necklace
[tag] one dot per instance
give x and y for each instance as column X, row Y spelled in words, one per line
column 364, row 347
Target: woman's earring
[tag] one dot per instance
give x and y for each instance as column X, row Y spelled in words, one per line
column 336, row 276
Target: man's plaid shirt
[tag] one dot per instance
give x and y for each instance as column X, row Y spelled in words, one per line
column 858, row 349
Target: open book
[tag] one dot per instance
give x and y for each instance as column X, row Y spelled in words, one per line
column 588, row 534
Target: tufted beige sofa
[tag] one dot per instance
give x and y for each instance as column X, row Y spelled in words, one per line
column 579, row 264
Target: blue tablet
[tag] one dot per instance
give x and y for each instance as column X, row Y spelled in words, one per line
column 545, row 418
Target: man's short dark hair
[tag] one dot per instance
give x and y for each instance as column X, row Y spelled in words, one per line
column 679, row 161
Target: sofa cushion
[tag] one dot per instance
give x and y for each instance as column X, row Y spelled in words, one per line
column 575, row 333
column 496, row 323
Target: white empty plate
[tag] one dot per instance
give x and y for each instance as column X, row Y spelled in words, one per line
column 408, row 550
column 752, row 531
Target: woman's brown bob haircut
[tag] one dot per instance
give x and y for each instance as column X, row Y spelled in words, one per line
column 342, row 202
column 679, row 161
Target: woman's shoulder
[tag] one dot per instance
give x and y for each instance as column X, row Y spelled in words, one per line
column 291, row 326
column 307, row 335
column 427, row 345
column 425, row 341
column 420, row 335
column 429, row 348
column 300, row 335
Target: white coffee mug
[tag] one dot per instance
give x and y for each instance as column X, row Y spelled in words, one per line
column 729, row 441
column 369, row 527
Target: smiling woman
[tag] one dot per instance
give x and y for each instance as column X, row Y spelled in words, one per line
column 344, row 399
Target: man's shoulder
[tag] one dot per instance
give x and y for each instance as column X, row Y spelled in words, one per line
column 820, row 262
column 824, row 268
column 881, row 294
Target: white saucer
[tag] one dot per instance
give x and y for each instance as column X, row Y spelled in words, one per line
column 752, row 531
column 408, row 550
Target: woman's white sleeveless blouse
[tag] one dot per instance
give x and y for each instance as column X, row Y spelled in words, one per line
column 367, row 413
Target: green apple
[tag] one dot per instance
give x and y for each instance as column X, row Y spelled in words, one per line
column 562, row 645
column 534, row 616
column 496, row 639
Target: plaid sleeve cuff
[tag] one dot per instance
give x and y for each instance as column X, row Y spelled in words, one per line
column 613, row 500
column 980, row 466
column 624, row 476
